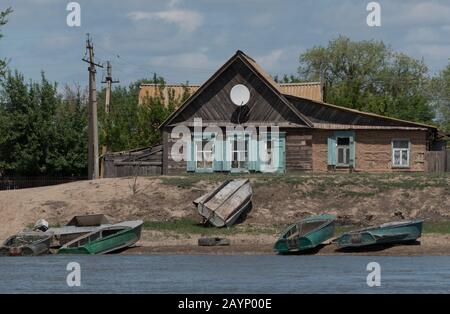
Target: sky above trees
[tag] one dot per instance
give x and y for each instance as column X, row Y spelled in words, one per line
column 188, row 40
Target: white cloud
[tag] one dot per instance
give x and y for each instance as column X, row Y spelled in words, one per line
column 174, row 3
column 261, row 20
column 423, row 35
column 186, row 20
column 270, row 60
column 425, row 12
column 193, row 60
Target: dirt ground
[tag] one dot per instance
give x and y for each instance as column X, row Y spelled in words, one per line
column 277, row 200
column 159, row 243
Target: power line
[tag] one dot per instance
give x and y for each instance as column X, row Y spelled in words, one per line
column 93, row 162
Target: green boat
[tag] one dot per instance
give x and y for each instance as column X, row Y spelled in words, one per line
column 105, row 240
column 388, row 233
column 306, row 234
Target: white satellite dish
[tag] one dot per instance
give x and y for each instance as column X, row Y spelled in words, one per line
column 240, row 95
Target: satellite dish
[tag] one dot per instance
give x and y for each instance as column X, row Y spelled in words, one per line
column 240, row 95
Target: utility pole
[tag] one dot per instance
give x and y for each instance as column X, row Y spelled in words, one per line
column 108, row 81
column 93, row 169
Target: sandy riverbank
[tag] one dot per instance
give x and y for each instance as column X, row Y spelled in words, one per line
column 356, row 199
column 428, row 244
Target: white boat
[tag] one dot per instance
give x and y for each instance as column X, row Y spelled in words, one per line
column 223, row 206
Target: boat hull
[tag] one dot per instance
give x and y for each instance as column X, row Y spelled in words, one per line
column 108, row 244
column 223, row 206
column 309, row 240
column 39, row 244
column 391, row 233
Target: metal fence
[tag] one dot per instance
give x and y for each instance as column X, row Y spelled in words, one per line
column 20, row 182
column 437, row 161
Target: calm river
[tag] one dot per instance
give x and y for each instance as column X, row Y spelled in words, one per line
column 224, row 274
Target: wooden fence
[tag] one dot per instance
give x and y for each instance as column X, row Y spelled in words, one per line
column 437, row 161
column 21, row 182
column 140, row 162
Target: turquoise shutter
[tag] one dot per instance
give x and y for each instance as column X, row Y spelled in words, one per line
column 332, row 150
column 280, row 151
column 253, row 153
column 226, row 155
column 191, row 153
column 218, row 155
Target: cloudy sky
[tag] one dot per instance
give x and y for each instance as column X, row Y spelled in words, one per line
column 187, row 40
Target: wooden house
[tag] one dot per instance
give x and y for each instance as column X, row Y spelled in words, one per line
column 313, row 135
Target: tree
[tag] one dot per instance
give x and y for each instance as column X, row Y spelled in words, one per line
column 3, row 21
column 131, row 125
column 369, row 76
column 41, row 132
column 440, row 97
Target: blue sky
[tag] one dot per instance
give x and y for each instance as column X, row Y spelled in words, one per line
column 188, row 40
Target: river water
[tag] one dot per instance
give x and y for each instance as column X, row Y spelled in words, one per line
column 225, row 274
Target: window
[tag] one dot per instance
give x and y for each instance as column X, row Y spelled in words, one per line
column 343, row 151
column 239, row 152
column 400, row 153
column 204, row 154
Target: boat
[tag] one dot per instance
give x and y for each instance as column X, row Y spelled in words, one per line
column 28, row 243
column 76, row 227
column 387, row 233
column 306, row 234
column 223, row 206
column 106, row 239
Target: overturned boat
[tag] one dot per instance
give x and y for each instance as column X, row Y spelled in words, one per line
column 28, row 243
column 387, row 233
column 106, row 239
column 306, row 234
column 223, row 206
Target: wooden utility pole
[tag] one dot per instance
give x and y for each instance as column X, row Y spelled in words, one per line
column 93, row 169
column 108, row 81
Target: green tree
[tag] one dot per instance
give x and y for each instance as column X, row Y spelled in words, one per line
column 41, row 133
column 3, row 21
column 369, row 76
column 131, row 125
column 440, row 97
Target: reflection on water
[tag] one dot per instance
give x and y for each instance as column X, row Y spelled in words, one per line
column 225, row 274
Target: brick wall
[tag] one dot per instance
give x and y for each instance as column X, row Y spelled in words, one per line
column 373, row 149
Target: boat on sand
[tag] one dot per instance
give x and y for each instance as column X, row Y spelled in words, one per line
column 306, row 234
column 106, row 239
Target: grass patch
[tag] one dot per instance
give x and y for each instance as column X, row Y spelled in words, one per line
column 190, row 226
column 439, row 227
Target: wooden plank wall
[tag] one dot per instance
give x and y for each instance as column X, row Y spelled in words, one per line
column 437, row 161
column 298, row 150
column 145, row 162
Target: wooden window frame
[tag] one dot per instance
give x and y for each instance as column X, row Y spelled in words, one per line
column 401, row 149
column 196, row 151
column 346, row 147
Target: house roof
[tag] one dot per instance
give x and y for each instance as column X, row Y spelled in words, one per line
column 310, row 90
column 257, row 70
column 320, row 113
column 315, row 113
